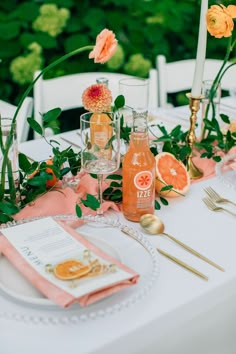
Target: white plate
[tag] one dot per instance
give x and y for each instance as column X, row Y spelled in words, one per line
column 20, row 300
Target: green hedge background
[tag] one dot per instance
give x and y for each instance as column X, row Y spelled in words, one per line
column 33, row 33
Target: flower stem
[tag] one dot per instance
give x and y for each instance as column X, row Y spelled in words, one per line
column 5, row 150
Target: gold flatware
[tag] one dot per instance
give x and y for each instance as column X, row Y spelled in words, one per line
column 216, row 197
column 182, row 264
column 212, row 206
column 154, row 226
column 70, row 142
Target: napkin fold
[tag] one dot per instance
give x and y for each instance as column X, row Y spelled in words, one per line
column 63, row 200
column 207, row 166
column 53, row 292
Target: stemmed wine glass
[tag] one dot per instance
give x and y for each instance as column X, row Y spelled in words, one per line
column 100, row 155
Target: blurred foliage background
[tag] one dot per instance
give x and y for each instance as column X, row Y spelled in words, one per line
column 33, row 33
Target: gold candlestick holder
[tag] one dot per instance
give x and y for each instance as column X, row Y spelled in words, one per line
column 194, row 106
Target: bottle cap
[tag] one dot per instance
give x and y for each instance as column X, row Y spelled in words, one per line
column 102, row 80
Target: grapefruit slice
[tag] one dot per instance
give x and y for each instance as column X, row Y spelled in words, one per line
column 170, row 171
column 71, row 269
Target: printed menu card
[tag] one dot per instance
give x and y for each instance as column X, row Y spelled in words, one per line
column 63, row 264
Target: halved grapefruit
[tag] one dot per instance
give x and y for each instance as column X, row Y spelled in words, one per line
column 170, row 171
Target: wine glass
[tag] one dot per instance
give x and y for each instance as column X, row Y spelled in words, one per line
column 100, row 154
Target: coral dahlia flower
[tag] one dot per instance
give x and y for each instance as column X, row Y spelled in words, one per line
column 97, row 98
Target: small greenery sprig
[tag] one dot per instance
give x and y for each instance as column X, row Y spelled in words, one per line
column 38, row 178
column 216, row 139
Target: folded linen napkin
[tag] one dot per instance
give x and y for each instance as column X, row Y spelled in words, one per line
column 63, row 201
column 207, row 166
column 12, row 246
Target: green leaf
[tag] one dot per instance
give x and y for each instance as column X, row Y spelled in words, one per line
column 114, row 177
column 38, row 180
column 24, row 163
column 116, row 185
column 157, row 205
column 5, row 218
column 78, row 211
column 216, row 158
column 90, row 202
column 119, row 101
column 52, row 115
column 116, row 195
column 35, row 126
column 164, row 201
column 9, row 208
column 93, row 175
column 225, row 118
column 166, row 188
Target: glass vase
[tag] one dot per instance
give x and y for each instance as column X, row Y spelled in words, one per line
column 210, row 107
column 9, row 167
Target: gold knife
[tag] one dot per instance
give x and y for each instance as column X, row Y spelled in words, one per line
column 195, row 253
column 182, row 264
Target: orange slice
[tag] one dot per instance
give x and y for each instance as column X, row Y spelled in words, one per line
column 170, row 171
column 71, row 269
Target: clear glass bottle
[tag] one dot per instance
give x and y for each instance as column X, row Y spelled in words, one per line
column 101, row 133
column 102, row 80
column 138, row 171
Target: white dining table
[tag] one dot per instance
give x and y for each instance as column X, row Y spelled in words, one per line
column 182, row 313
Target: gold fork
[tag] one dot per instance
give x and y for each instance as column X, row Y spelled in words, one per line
column 216, row 197
column 212, row 206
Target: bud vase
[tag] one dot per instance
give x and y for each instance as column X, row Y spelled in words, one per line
column 9, row 168
column 210, row 103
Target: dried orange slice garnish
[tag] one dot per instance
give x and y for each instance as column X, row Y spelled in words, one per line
column 71, row 269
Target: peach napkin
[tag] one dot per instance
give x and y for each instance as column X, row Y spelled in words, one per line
column 208, row 165
column 63, row 201
column 53, row 292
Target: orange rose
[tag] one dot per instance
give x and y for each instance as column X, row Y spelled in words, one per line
column 105, row 47
column 97, row 98
column 219, row 21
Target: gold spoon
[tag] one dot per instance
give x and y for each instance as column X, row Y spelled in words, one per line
column 153, row 225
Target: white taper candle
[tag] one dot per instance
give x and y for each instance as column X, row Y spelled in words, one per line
column 201, row 51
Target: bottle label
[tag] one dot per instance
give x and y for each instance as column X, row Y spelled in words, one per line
column 143, row 180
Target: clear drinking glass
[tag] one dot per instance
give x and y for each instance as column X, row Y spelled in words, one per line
column 136, row 93
column 100, row 152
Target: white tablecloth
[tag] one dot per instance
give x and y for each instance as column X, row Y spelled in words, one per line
column 183, row 314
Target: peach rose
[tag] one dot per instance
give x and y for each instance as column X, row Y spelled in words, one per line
column 97, row 98
column 219, row 21
column 105, row 47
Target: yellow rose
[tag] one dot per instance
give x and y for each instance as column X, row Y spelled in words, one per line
column 219, row 20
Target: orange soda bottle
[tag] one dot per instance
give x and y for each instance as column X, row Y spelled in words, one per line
column 138, row 171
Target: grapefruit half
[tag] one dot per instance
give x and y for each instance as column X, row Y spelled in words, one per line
column 171, row 171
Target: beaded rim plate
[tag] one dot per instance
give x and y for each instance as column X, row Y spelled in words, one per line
column 129, row 245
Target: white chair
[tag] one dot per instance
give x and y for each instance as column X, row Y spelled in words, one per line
column 66, row 91
column 7, row 110
column 178, row 76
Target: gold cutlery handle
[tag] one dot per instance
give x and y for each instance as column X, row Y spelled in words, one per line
column 182, row 264
column 191, row 250
column 228, row 211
